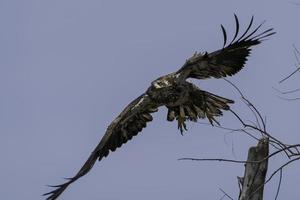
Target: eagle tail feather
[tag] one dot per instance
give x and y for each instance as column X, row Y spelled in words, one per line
column 202, row 105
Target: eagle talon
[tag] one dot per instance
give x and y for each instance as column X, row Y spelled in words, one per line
column 181, row 125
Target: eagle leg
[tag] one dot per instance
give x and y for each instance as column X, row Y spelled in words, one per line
column 181, row 120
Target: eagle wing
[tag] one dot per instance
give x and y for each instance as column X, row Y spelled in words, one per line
column 129, row 123
column 228, row 60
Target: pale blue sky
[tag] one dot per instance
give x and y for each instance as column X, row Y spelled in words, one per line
column 68, row 67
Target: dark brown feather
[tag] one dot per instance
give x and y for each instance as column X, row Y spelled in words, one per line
column 200, row 104
column 131, row 121
column 228, row 60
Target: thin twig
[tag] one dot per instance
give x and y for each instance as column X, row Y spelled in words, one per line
column 226, row 194
column 286, row 92
column 249, row 104
column 279, row 184
column 296, row 54
column 242, row 161
column 291, row 74
column 216, row 159
column 289, row 99
column 232, row 130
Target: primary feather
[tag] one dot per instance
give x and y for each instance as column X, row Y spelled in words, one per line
column 228, row 60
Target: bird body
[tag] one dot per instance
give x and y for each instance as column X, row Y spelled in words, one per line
column 167, row 90
column 184, row 100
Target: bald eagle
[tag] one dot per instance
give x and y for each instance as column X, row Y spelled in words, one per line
column 184, row 100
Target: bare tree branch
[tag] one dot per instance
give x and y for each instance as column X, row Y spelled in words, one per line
column 297, row 54
column 225, row 194
column 279, row 184
column 286, row 92
column 255, row 173
column 253, row 182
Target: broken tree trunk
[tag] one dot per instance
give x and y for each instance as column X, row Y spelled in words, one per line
column 252, row 184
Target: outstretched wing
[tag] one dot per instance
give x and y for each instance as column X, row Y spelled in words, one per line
column 228, row 60
column 128, row 124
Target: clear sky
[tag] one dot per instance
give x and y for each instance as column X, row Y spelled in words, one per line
column 68, row 67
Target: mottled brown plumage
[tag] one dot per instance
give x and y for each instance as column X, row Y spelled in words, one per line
column 184, row 100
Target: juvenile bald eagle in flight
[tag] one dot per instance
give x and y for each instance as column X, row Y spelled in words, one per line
column 184, row 100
